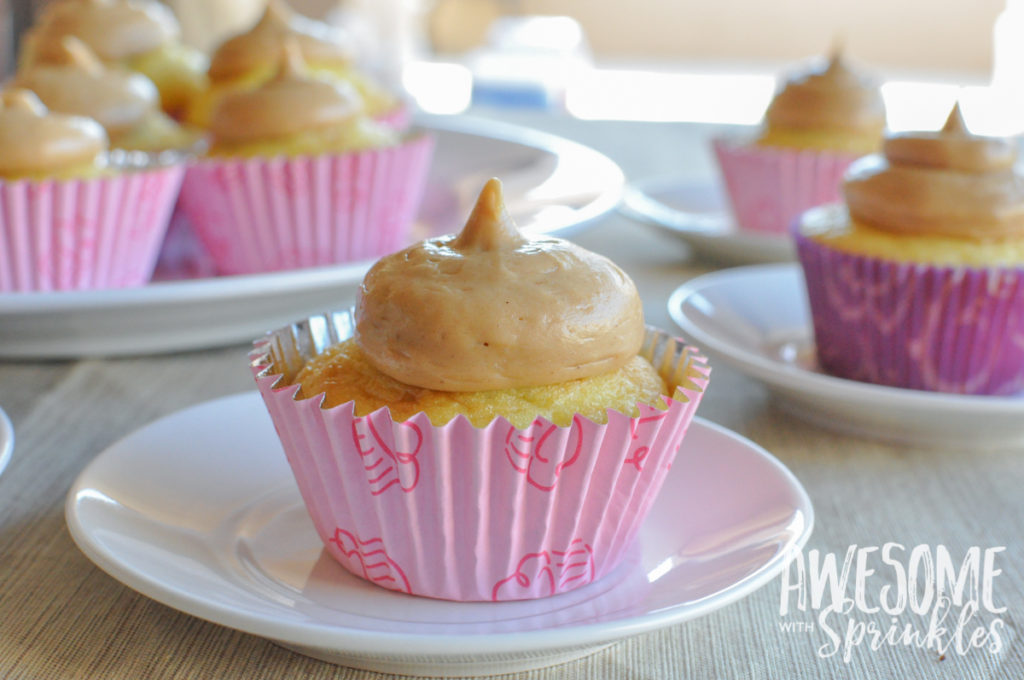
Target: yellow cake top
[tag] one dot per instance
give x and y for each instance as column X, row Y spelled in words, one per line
column 290, row 103
column 75, row 81
column 258, row 48
column 113, row 29
column 945, row 183
column 828, row 96
column 35, row 141
column 491, row 308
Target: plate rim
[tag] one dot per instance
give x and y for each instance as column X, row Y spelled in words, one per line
column 362, row 642
column 207, row 288
column 6, row 440
column 639, row 192
column 793, row 377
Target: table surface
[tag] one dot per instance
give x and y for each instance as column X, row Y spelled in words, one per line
column 61, row 617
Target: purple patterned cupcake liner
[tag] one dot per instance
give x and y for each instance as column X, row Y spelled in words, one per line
column 954, row 329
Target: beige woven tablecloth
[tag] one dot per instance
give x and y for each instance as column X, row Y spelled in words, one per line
column 61, row 617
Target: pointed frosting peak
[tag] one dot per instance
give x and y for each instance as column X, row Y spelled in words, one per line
column 258, row 49
column 292, row 65
column 22, row 100
column 830, row 96
column 73, row 52
column 77, row 82
column 291, row 102
column 955, row 124
column 277, row 13
column 492, row 309
column 489, row 226
column 947, row 182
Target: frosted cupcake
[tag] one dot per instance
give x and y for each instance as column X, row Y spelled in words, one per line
column 821, row 120
column 126, row 103
column 69, row 219
column 918, row 281
column 139, row 35
column 492, row 423
column 287, row 186
column 247, row 61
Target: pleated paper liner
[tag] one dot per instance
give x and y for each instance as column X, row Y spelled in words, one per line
column 474, row 514
column 768, row 187
column 83, row 234
column 270, row 214
column 926, row 327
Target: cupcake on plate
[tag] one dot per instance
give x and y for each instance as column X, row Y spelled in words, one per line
column 139, row 35
column 69, row 219
column 247, row 61
column 918, row 281
column 822, row 119
column 492, row 422
column 73, row 80
column 287, row 185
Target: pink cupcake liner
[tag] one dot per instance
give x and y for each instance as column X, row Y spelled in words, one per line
column 95, row 233
column 937, row 328
column 398, row 118
column 269, row 214
column 769, row 187
column 473, row 514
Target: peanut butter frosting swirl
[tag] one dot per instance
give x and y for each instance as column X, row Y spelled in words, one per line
column 317, row 41
column 75, row 81
column 832, row 96
column 492, row 308
column 945, row 183
column 33, row 140
column 113, row 29
column 290, row 103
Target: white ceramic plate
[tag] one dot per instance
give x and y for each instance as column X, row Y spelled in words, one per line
column 757, row 319
column 6, row 440
column 552, row 185
column 200, row 511
column 697, row 212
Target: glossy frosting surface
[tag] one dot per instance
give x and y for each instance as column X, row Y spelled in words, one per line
column 946, row 183
column 259, row 47
column 491, row 308
column 33, row 140
column 75, row 81
column 274, row 110
column 828, row 96
column 114, row 29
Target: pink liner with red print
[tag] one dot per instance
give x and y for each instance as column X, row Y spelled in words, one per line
column 769, row 187
column 474, row 514
column 268, row 214
column 938, row 328
column 84, row 234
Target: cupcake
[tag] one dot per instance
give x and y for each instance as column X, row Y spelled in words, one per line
column 492, row 422
column 918, row 281
column 69, row 219
column 126, row 103
column 287, row 186
column 821, row 120
column 139, row 35
column 247, row 61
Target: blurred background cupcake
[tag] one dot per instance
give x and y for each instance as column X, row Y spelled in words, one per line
column 918, row 281
column 288, row 186
column 822, row 119
column 247, row 61
column 70, row 78
column 139, row 35
column 69, row 219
